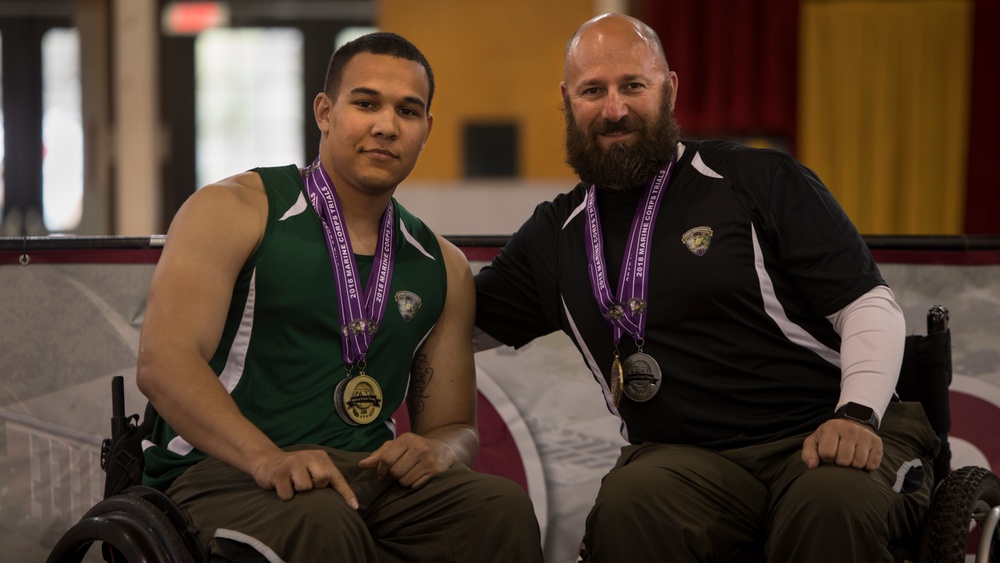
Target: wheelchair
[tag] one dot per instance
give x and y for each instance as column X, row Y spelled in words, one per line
column 965, row 502
column 133, row 523
column 140, row 524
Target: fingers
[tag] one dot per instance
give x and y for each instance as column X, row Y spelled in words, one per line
column 410, row 460
column 405, row 469
column 301, row 479
column 844, row 443
column 370, row 462
column 284, row 489
column 810, row 451
column 380, row 460
column 847, row 453
column 408, row 471
column 265, row 474
column 303, row 470
column 320, row 477
column 340, row 485
column 390, row 461
column 874, row 459
column 858, row 455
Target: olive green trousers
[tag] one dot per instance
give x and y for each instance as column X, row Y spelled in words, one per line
column 458, row 516
column 761, row 503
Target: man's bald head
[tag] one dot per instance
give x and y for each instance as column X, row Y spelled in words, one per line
column 615, row 27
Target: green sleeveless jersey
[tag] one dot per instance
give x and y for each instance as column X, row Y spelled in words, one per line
column 280, row 355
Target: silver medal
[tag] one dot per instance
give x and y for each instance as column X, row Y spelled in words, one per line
column 642, row 377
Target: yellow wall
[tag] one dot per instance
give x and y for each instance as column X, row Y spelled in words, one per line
column 492, row 61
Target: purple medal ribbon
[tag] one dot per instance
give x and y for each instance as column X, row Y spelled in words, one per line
column 360, row 314
column 626, row 312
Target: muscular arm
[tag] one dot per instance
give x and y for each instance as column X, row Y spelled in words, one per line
column 209, row 240
column 442, row 394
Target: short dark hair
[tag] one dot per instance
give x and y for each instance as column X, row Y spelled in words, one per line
column 378, row 43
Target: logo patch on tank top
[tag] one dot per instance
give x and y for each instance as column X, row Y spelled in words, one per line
column 697, row 240
column 408, row 303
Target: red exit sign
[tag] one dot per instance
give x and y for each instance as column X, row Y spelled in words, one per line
column 190, row 18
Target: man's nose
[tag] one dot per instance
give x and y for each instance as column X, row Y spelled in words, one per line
column 614, row 107
column 385, row 123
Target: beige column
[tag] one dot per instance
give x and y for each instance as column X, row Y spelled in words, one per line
column 611, row 6
column 137, row 190
column 91, row 18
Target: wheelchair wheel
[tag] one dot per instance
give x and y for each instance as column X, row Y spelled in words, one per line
column 173, row 514
column 130, row 527
column 961, row 504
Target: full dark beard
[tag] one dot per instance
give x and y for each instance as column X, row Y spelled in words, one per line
column 625, row 165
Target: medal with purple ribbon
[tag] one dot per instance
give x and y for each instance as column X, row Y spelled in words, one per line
column 626, row 311
column 358, row 397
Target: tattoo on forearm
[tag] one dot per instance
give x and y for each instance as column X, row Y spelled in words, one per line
column 420, row 377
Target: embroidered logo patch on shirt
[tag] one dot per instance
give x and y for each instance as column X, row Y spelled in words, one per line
column 408, row 303
column 697, row 240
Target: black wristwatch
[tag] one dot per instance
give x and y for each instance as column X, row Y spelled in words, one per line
column 858, row 413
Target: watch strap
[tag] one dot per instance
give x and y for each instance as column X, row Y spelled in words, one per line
column 858, row 413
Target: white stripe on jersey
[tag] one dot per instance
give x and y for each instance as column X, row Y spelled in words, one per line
column 579, row 208
column 297, row 208
column 594, row 368
column 700, row 166
column 409, row 238
column 793, row 332
column 235, row 363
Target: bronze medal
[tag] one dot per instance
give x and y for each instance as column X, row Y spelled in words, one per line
column 617, row 382
column 358, row 399
column 641, row 377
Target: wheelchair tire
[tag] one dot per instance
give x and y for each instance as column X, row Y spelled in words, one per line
column 128, row 525
column 171, row 547
column 174, row 515
column 962, row 498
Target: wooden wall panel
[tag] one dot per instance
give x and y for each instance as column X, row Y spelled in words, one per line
column 492, row 61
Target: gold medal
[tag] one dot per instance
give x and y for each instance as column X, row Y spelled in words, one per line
column 617, row 381
column 358, row 399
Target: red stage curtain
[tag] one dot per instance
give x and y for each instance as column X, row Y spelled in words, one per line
column 982, row 205
column 737, row 61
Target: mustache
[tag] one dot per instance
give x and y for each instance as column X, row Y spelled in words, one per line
column 628, row 124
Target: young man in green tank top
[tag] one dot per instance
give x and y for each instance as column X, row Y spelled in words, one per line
column 290, row 314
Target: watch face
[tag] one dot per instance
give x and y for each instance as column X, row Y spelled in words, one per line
column 859, row 412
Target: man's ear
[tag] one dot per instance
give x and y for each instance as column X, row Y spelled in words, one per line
column 674, row 82
column 322, row 105
column 430, row 125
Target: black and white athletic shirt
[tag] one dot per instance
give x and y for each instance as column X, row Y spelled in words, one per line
column 738, row 328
